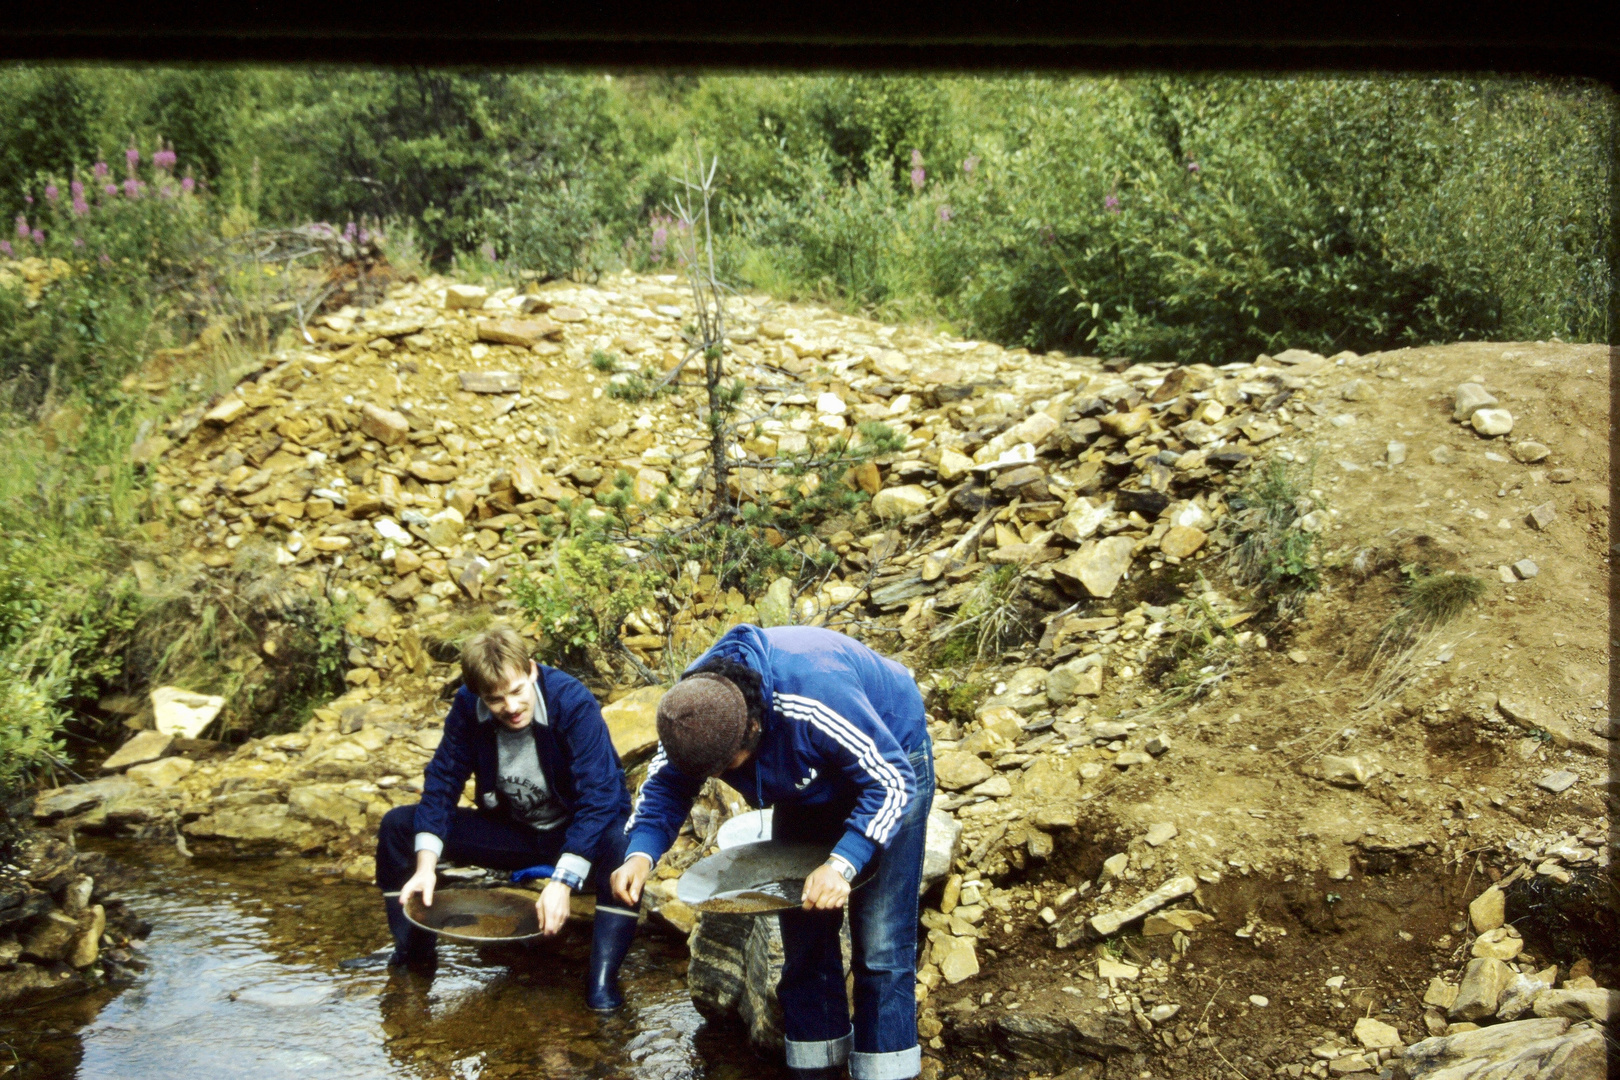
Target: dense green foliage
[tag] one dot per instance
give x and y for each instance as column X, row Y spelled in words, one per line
column 1191, row 218
column 121, row 244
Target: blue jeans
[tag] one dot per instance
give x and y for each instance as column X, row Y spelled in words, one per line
column 883, row 935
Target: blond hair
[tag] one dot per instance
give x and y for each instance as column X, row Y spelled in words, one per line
column 491, row 657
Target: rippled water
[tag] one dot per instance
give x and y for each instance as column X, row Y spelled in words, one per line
column 241, row 974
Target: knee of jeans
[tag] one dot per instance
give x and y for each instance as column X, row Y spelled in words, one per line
column 610, row 849
column 885, row 950
column 401, row 819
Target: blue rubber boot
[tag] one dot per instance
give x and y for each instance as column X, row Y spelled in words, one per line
column 610, row 941
column 413, row 948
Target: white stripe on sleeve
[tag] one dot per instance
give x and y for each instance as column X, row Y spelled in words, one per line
column 657, row 763
column 860, row 746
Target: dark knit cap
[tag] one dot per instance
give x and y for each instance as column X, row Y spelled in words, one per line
column 702, row 722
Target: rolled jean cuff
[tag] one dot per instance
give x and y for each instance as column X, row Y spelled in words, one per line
column 898, row 1065
column 827, row 1054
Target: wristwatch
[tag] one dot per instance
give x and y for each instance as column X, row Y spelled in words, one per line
column 843, row 866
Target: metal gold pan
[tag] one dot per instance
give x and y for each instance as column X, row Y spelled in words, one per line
column 478, row 916
column 750, row 879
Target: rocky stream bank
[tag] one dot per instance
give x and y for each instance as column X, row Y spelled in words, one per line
column 1179, row 835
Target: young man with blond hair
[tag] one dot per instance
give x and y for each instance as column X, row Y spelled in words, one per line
column 550, row 790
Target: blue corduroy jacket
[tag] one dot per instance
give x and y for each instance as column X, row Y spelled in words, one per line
column 575, row 751
column 840, row 722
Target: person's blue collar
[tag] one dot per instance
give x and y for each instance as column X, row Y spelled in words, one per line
column 540, row 716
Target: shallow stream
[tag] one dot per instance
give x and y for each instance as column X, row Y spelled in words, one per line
column 241, row 974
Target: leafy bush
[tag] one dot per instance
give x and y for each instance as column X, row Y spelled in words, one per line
column 29, row 727
column 64, row 614
column 1160, row 217
column 516, row 160
column 104, row 252
column 582, row 594
column 1207, row 219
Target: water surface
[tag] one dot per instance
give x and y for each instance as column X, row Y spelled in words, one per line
column 241, row 974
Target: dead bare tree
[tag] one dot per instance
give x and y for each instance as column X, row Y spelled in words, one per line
column 696, row 253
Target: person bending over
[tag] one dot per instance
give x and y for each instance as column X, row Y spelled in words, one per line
column 833, row 736
column 550, row 790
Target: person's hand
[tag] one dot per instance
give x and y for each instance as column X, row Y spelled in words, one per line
column 420, row 882
column 552, row 908
column 825, row 890
column 628, row 879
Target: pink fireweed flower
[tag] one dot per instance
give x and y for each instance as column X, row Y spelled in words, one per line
column 5, row 249
column 111, row 189
column 132, row 187
column 78, row 241
column 29, row 199
column 970, row 164
column 76, row 189
column 916, row 159
column 80, row 206
column 51, row 192
column 365, row 238
column 104, row 259
column 187, row 185
column 1111, row 204
column 100, row 170
column 39, row 236
column 348, row 233
column 1192, row 166
column 945, row 213
column 22, row 226
column 918, row 178
column 166, row 191
column 164, row 159
column 132, row 156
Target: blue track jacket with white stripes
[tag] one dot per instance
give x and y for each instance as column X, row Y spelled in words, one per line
column 840, row 721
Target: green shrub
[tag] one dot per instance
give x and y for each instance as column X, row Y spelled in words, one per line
column 1211, row 218
column 117, row 241
column 637, row 386
column 581, row 594
column 959, row 698
column 1160, row 217
column 1271, row 552
column 29, row 728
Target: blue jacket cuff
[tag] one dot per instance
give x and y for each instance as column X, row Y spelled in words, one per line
column 646, row 843
column 856, row 848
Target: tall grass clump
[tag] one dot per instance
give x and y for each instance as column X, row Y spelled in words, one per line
column 1275, row 546
column 1429, row 601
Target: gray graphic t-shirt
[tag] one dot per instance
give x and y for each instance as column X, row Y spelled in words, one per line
column 528, row 797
